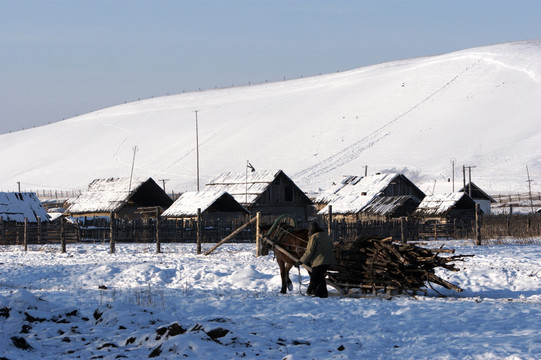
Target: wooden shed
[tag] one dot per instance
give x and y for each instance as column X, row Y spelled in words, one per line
column 120, row 196
column 16, row 206
column 446, row 208
column 215, row 204
column 270, row 192
column 375, row 196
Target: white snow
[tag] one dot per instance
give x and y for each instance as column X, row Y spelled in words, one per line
column 16, row 206
column 353, row 193
column 54, row 302
column 439, row 204
column 105, row 195
column 479, row 107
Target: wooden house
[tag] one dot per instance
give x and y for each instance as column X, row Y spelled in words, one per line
column 218, row 205
column 16, row 206
column 123, row 197
column 484, row 200
column 446, row 208
column 379, row 196
column 270, row 192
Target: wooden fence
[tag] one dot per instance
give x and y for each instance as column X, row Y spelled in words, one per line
column 212, row 231
column 402, row 230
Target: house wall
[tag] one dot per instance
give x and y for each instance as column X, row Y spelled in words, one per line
column 282, row 197
column 484, row 205
column 400, row 186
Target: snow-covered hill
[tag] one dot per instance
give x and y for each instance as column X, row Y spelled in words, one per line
column 479, row 107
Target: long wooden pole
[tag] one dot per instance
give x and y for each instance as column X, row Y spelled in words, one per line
column 38, row 230
column 158, row 247
column 62, row 236
column 198, row 231
column 477, row 225
column 257, row 234
column 329, row 225
column 239, row 229
column 111, row 233
column 197, row 145
column 25, row 236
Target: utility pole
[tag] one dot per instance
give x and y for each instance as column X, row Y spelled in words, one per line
column 469, row 178
column 135, row 148
column 453, row 163
column 529, row 181
column 19, row 185
column 163, row 183
column 464, row 177
column 365, row 170
column 197, row 146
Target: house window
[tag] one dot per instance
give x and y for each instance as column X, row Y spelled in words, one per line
column 288, row 193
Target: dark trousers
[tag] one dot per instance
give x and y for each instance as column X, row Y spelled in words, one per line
column 317, row 286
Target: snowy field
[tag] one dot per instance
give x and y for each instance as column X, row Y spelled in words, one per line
column 135, row 304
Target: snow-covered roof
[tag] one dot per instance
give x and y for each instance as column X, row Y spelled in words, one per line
column 477, row 193
column 105, row 195
column 15, row 206
column 438, row 204
column 354, row 192
column 188, row 203
column 244, row 187
column 386, row 205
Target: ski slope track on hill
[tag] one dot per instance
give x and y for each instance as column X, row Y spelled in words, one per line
column 352, row 152
column 478, row 107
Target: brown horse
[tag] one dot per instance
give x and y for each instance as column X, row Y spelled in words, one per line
column 292, row 240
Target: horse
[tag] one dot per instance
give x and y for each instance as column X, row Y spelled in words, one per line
column 292, row 240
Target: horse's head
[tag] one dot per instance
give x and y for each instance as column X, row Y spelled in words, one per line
column 265, row 247
column 273, row 233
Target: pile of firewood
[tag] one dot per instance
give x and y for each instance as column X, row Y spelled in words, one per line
column 375, row 264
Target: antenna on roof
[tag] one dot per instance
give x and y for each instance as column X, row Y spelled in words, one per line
column 135, row 148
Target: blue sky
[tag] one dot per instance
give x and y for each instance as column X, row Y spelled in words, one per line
column 60, row 58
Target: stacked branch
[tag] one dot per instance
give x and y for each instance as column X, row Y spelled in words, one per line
column 381, row 263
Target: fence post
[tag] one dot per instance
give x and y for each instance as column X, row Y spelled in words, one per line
column 329, row 224
column 111, row 233
column 25, row 234
column 38, row 230
column 257, row 234
column 198, row 230
column 78, row 229
column 477, row 225
column 62, row 236
column 402, row 230
column 158, row 250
